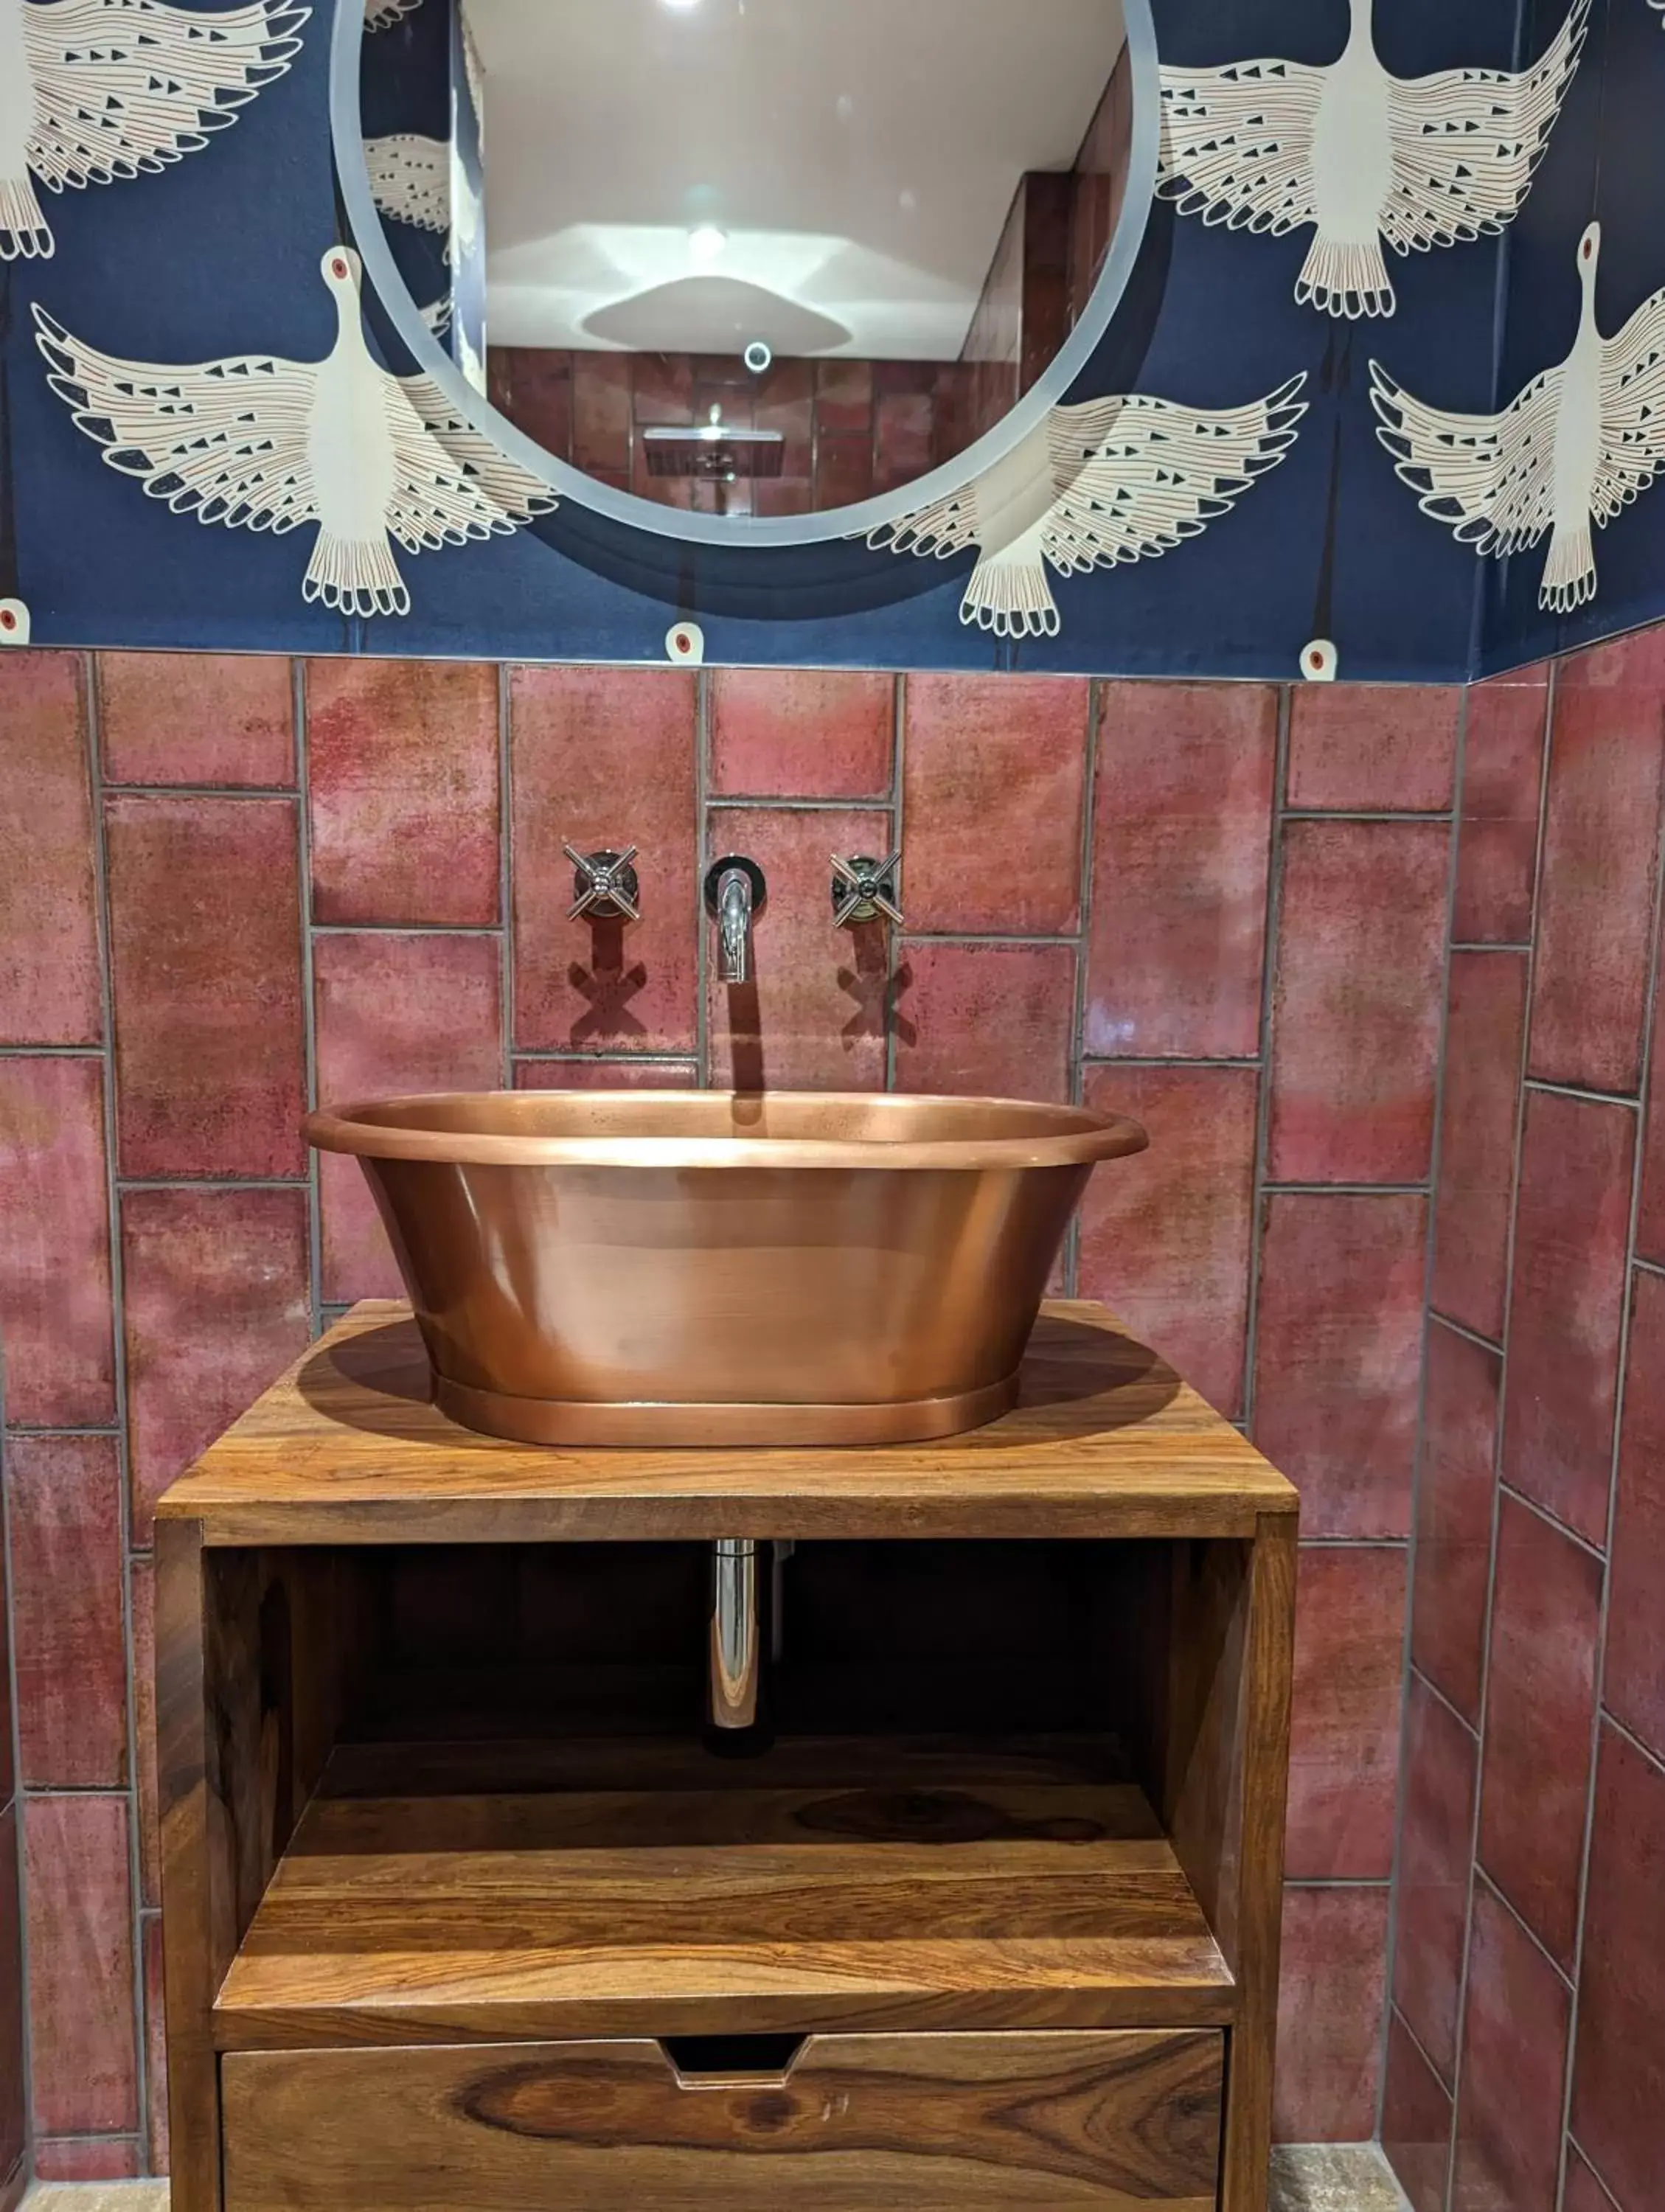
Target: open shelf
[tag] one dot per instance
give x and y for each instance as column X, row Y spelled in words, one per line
column 500, row 1890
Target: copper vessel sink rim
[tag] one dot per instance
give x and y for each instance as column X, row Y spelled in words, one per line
column 1056, row 1136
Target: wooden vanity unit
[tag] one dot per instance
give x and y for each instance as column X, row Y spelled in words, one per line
column 463, row 1915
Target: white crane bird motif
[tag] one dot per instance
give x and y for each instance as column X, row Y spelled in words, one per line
column 256, row 442
column 382, row 14
column 94, row 90
column 411, row 179
column 1117, row 479
column 1575, row 446
column 1363, row 156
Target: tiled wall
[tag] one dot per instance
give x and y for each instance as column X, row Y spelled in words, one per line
column 1527, row 2032
column 227, row 885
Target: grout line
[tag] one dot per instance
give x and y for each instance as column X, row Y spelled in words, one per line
column 1259, row 1208
column 1078, row 1070
column 11, row 1720
column 1594, row 2172
column 1335, row 1881
column 1491, row 948
column 1347, row 1189
column 128, row 1795
column 1419, row 1674
column 43, row 1431
column 1655, row 1759
column 1469, row 1335
column 702, row 1037
column 1170, row 1060
column 199, row 790
column 394, row 928
column 1372, row 814
column 1419, row 1438
column 1577, row 1091
column 506, row 867
column 1532, row 1937
column 51, row 1052
column 1417, row 2044
column 308, row 988
column 1644, row 1100
column 603, row 1059
column 898, row 835
column 209, row 1184
column 996, row 937
column 878, row 803
column 1503, row 1398
column 1648, row 1267
column 1552, row 1521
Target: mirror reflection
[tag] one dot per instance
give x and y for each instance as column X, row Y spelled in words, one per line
column 760, row 256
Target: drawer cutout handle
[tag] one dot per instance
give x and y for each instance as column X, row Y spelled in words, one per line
column 724, row 2062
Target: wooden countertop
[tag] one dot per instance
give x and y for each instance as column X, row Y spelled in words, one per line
column 1106, row 1442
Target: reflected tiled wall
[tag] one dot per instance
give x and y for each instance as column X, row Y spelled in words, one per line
column 1529, row 2021
column 226, row 884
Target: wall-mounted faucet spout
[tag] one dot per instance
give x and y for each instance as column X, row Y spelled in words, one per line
column 735, row 893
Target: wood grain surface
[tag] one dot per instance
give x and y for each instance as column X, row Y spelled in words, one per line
column 1096, row 2123
column 345, row 1448
column 746, row 1905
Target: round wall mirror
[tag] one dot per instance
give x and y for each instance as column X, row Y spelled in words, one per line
column 750, row 270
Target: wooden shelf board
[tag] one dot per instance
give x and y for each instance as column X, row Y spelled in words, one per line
column 1106, row 1441
column 911, row 1885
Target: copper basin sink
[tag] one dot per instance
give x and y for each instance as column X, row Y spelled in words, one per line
column 676, row 1268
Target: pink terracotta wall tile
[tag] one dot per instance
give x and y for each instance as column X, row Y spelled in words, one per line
column 1332, row 1992
column 49, row 976
column 1437, row 1836
column 89, row 2158
column 396, row 1013
column 202, row 718
column 1165, row 1237
column 71, row 1660
column 141, row 1614
column 1485, row 1032
column 802, row 733
column 401, row 770
column 604, row 758
column 1650, row 1218
column 985, row 1020
column 1377, row 748
column 1344, row 1751
column 55, row 1309
column 1339, row 1355
column 205, row 959
column 1181, row 849
column 607, row 1075
column 1453, row 1507
column 1356, row 1002
column 1634, row 1682
column 85, row 2060
column 1502, row 784
column 1595, row 922
column 813, row 1015
column 994, row 783
column 1514, row 2070
column 218, row 1304
column 13, row 2113
column 1540, row 1710
column 1416, row 2122
column 1619, row 2075
column 1567, row 1309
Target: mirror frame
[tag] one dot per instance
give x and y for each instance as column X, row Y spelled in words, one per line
column 347, row 134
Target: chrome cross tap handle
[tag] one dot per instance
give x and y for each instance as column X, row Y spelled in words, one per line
column 605, row 885
column 864, row 888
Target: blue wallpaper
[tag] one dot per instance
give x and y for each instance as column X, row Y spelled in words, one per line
column 217, row 255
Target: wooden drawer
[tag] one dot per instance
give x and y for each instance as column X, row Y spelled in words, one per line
column 1118, row 2122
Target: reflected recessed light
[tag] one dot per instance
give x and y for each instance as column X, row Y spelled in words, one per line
column 706, row 243
column 681, row 6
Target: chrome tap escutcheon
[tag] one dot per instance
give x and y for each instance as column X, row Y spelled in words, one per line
column 605, row 885
column 864, row 888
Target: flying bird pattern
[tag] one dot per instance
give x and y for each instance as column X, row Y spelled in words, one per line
column 382, row 14
column 1117, row 479
column 1361, row 156
column 92, row 91
column 1575, row 446
column 257, row 442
